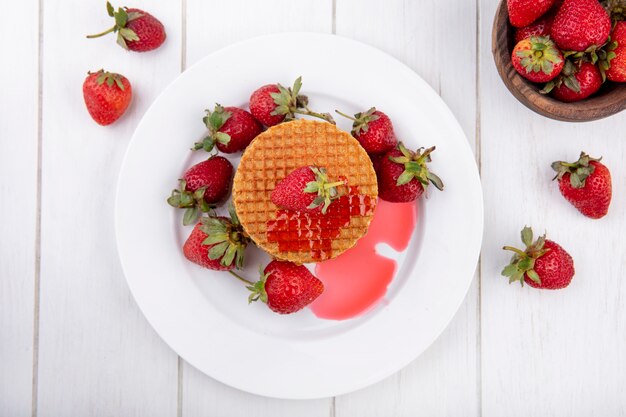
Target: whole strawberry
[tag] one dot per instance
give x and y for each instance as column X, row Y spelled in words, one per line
column 231, row 129
column 576, row 82
column 403, row 175
column 272, row 104
column 202, row 186
column 136, row 30
column 541, row 27
column 217, row 243
column 544, row 264
column 586, row 184
column 107, row 96
column 580, row 25
column 286, row 287
column 374, row 131
column 617, row 69
column 537, row 59
column 306, row 188
column 524, row 12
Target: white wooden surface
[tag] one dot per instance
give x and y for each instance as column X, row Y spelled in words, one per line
column 72, row 340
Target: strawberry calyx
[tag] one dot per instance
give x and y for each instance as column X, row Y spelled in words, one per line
column 193, row 202
column 415, row 167
column 257, row 289
column 110, row 78
column 523, row 262
column 567, row 77
column 214, row 120
column 597, row 55
column 289, row 102
column 616, row 9
column 326, row 191
column 228, row 238
column 579, row 170
column 361, row 120
column 122, row 17
column 542, row 55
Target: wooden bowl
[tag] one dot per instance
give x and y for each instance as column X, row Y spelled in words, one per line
column 609, row 100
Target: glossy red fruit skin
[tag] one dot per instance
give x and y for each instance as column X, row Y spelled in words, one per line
column 387, row 175
column 590, row 81
column 262, row 105
column 580, row 24
column 524, row 12
column 289, row 192
column 555, row 268
column 106, row 103
column 541, row 27
column 290, row 287
column 215, row 173
column 149, row 29
column 594, row 198
column 196, row 252
column 380, row 136
column 617, row 72
column 376, row 161
column 242, row 129
column 536, row 77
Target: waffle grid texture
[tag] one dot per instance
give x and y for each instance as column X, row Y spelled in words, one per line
column 277, row 152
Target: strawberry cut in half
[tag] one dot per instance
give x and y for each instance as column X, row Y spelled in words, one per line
column 543, row 264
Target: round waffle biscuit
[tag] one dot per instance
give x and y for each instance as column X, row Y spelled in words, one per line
column 303, row 237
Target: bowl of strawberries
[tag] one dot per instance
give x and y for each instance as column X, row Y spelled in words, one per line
column 563, row 59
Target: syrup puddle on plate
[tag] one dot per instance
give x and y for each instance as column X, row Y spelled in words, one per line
column 357, row 280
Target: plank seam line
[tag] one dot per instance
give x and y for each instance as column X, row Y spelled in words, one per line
column 179, row 393
column 334, row 17
column 37, row 274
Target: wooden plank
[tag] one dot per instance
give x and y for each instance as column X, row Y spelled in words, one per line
column 444, row 380
column 549, row 353
column 202, row 395
column 18, row 205
column 97, row 354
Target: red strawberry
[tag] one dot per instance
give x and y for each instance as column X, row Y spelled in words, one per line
column 273, row 104
column 107, row 96
column 575, row 83
column 403, row 175
column 524, row 12
column 231, row 129
column 203, row 185
column 136, row 30
column 586, row 184
column 617, row 70
column 217, row 243
column 376, row 161
column 374, row 131
column 537, row 59
column 286, row 287
column 544, row 264
column 541, row 27
column 305, row 188
column 580, row 25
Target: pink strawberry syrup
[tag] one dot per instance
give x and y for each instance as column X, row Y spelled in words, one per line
column 358, row 279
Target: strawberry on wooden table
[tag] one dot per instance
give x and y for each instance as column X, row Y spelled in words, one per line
column 617, row 70
column 306, row 188
column 403, row 175
column 586, row 184
column 286, row 287
column 543, row 264
column 374, row 130
column 202, row 186
column 537, row 59
column 217, row 243
column 576, row 82
column 231, row 129
column 136, row 30
column 272, row 104
column 581, row 25
column 107, row 96
column 524, row 12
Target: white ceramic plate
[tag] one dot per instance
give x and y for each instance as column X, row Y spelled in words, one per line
column 204, row 316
